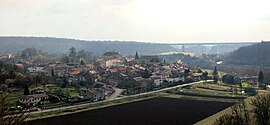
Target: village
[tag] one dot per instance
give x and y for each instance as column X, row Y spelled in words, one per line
column 109, row 76
column 46, row 84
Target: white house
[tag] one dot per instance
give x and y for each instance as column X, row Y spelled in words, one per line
column 157, row 80
column 35, row 70
column 33, row 100
column 113, row 62
column 176, row 79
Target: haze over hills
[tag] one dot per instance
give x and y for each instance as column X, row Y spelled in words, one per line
column 62, row 45
column 257, row 55
column 212, row 47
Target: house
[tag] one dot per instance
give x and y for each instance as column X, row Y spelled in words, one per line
column 36, row 70
column 127, row 60
column 175, row 79
column 138, row 67
column 74, row 73
column 60, row 69
column 87, row 95
column 97, row 94
column 34, row 99
column 165, row 73
column 113, row 62
column 7, row 56
column 197, row 77
column 19, row 65
column 171, row 75
column 122, row 69
column 157, row 80
column 144, row 83
column 94, row 73
column 112, row 73
column 123, row 76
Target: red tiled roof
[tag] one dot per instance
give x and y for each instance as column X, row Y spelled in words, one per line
column 129, row 59
column 74, row 73
column 115, row 60
column 139, row 67
column 138, row 79
column 19, row 65
column 124, row 75
column 121, row 68
column 155, row 77
column 93, row 72
column 33, row 96
column 113, row 70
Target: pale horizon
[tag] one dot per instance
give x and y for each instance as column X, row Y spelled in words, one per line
column 155, row 21
column 160, row 42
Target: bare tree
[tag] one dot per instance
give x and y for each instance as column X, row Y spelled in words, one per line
column 261, row 109
column 259, row 114
column 238, row 116
column 9, row 116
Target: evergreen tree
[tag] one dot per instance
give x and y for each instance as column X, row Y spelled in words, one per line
column 53, row 78
column 261, row 77
column 205, row 75
column 82, row 62
column 186, row 72
column 215, row 75
column 73, row 54
column 137, row 56
column 26, row 90
column 241, row 86
column 52, row 73
column 215, row 71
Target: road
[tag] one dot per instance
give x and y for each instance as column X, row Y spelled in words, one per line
column 115, row 94
column 115, row 97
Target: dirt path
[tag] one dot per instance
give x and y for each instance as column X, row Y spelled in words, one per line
column 115, row 94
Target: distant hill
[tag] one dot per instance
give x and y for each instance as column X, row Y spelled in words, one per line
column 62, row 45
column 256, row 55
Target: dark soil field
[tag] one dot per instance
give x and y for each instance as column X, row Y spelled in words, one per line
column 156, row 111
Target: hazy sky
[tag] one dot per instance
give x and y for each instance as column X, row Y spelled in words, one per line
column 138, row 20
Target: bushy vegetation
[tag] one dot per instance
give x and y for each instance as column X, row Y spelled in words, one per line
column 257, row 112
column 11, row 75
